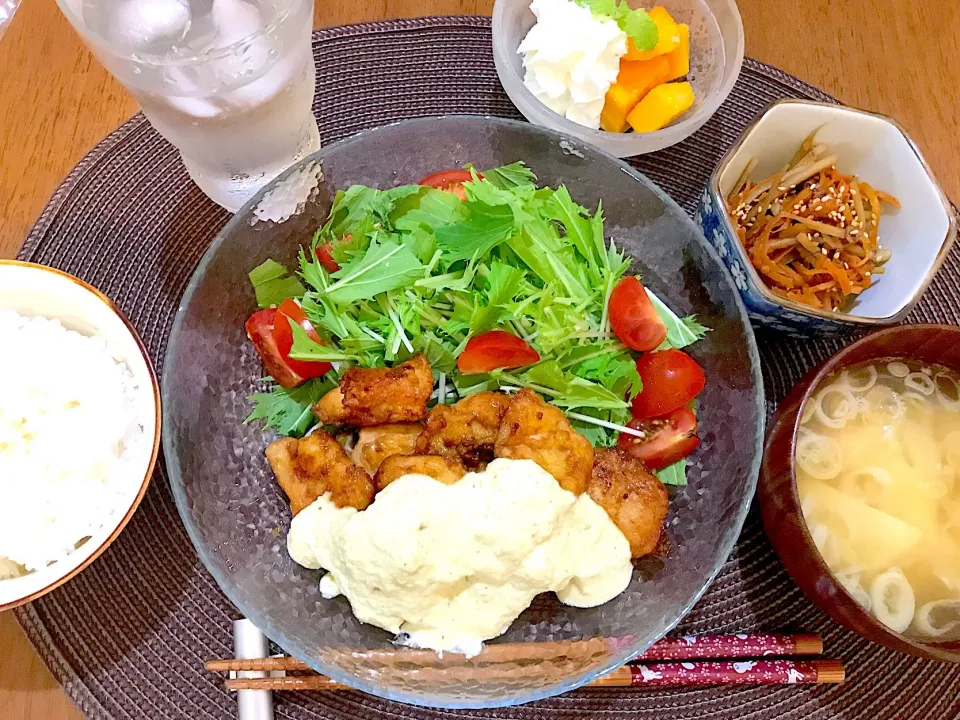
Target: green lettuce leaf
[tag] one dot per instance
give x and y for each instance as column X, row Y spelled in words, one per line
column 439, row 353
column 436, row 209
column 681, row 332
column 358, row 204
column 288, row 410
column 273, row 284
column 675, row 474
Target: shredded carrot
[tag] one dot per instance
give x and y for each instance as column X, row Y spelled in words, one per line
column 810, row 230
column 888, row 198
column 841, row 277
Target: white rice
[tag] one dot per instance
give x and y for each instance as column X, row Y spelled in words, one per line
column 68, row 428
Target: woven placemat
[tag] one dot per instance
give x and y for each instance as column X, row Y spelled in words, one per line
column 128, row 637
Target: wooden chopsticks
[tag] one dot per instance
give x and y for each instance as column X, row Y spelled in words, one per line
column 689, row 661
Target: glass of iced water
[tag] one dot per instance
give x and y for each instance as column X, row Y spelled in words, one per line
column 229, row 82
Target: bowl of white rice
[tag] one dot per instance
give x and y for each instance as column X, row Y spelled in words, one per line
column 79, row 427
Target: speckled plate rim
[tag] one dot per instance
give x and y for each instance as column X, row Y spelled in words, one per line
column 155, row 445
column 292, row 646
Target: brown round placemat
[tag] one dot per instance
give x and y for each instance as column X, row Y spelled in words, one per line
column 128, row 637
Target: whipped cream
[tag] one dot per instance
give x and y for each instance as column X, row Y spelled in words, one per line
column 571, row 58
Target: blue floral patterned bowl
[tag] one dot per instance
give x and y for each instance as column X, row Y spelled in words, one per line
column 870, row 146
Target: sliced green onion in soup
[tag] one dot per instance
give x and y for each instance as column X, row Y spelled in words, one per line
column 881, row 406
column 948, row 391
column 829, row 546
column 832, row 538
column 938, row 618
column 861, row 379
column 893, row 600
column 898, row 369
column 835, row 405
column 819, row 456
column 920, row 383
column 851, row 582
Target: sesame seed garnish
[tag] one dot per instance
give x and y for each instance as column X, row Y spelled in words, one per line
column 789, row 215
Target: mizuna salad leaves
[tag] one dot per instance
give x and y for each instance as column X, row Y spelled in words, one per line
column 422, row 271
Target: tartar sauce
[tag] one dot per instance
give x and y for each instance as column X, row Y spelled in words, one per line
column 453, row 565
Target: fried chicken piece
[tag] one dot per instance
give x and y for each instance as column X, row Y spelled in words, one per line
column 378, row 442
column 633, row 497
column 374, row 396
column 533, row 430
column 315, row 465
column 466, row 430
column 445, row 470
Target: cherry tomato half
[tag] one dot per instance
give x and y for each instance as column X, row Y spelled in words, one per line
column 324, row 253
column 450, row 181
column 671, row 379
column 325, row 256
column 666, row 439
column 283, row 335
column 259, row 327
column 495, row 350
column 633, row 317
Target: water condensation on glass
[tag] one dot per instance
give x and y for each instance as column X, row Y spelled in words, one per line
column 229, row 82
column 289, row 196
column 7, row 9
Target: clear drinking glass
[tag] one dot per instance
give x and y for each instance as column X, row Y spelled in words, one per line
column 229, row 82
column 7, row 9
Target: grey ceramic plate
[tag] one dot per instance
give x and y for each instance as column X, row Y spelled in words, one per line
column 238, row 518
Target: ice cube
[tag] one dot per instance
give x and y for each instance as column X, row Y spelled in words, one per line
column 194, row 107
column 242, row 72
column 138, row 25
column 235, row 20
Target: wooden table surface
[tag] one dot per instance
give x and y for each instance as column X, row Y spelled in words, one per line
column 56, row 102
